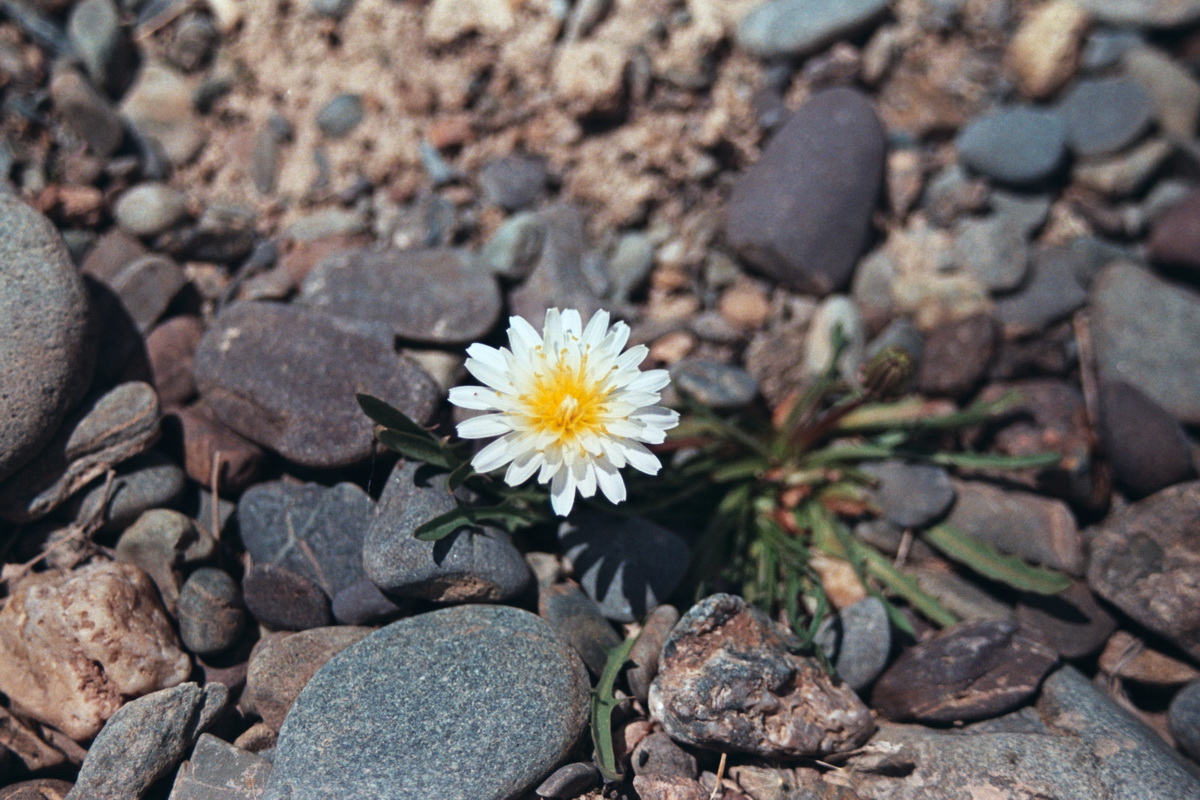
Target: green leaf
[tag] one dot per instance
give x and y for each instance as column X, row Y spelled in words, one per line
column 459, row 475
column 603, row 703
column 443, row 525
column 903, row 586
column 431, row 451
column 991, row 563
column 391, row 417
column 510, row 516
column 995, row 460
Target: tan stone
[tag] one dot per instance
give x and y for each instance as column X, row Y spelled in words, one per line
column 447, row 20
column 745, row 306
column 590, row 75
column 75, row 646
column 1044, row 52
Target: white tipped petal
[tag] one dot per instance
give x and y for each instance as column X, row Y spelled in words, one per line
column 585, row 479
column 479, row 398
column 522, row 467
column 495, row 378
column 610, row 481
column 496, row 454
column 641, row 459
column 596, row 329
column 484, row 426
column 562, row 492
column 521, row 335
column 572, row 323
column 657, row 416
column 613, row 451
column 632, row 357
column 650, row 381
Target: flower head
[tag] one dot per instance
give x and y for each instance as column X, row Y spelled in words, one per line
column 569, row 406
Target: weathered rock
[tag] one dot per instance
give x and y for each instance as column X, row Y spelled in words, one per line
column 145, row 739
column 37, row 789
column 658, row 755
column 285, row 600
column 86, row 113
column 513, row 182
column 285, row 377
column 1126, row 656
column 557, row 280
column 1173, row 89
column 219, row 771
column 209, row 448
column 578, row 620
column 910, row 495
column 792, row 28
column 171, row 348
column 1044, row 52
column 943, row 370
column 1145, row 560
column 211, row 611
column 1052, row 292
column 1146, row 446
column 1071, row 622
column 728, row 681
column 1105, row 115
column 858, row 642
column 77, row 644
column 483, row 704
column 802, row 213
column 972, row 671
column 159, row 106
column 721, row 387
column 644, row 656
column 570, row 781
column 159, row 542
column 150, row 480
column 1174, row 238
column 45, row 350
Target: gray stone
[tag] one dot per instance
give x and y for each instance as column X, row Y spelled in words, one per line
column 284, row 600
column 433, row 296
column 575, row 618
column 1072, row 622
column 160, row 542
column 513, row 182
column 102, row 432
column 793, row 28
column 1176, row 234
column 645, row 653
column 1183, row 719
column 1144, row 559
column 285, row 377
column 1173, row 89
column 629, row 265
column 148, row 209
column 910, row 495
column 151, row 480
column 473, row 564
column 721, row 387
column 943, row 370
column 472, row 701
column 858, row 642
column 658, row 755
column 628, row 565
column 1053, row 292
column 86, row 113
column 570, row 781
column 1124, row 334
column 1146, row 446
column 46, row 350
column 802, row 213
column 146, row 287
column 193, row 38
column 1124, row 173
column 362, row 603
column 211, row 611
column 1014, row 145
column 557, row 279
column 1143, row 13
column 94, row 28
column 1105, row 115
column 220, row 771
column 308, row 528
column 512, row 251
column 994, row 250
column 340, row 116
column 159, row 106
column 145, row 739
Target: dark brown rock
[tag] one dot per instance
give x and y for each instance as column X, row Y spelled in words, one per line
column 1071, row 622
column 644, row 655
column 201, row 441
column 655, row 787
column 285, row 600
column 26, row 746
column 285, row 377
column 145, row 285
column 1145, row 559
column 1146, row 446
column 576, row 618
column 1175, row 237
column 802, row 213
column 171, row 349
column 969, row 672
column 658, row 755
column 956, row 356
column 728, row 681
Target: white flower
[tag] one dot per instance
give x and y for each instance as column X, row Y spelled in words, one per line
column 571, row 407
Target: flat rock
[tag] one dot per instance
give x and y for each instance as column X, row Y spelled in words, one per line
column 1121, row 329
column 858, row 642
column 942, row 370
column 473, row 564
column 910, row 495
column 77, row 645
column 1071, row 622
column 1147, row 447
column 1175, row 237
column 285, row 377
column 576, row 618
column 802, row 212
column 45, row 350
column 1143, row 13
column 150, row 480
column 284, row 600
column 145, row 739
column 217, row 770
column 1015, row 145
column 794, row 28
column 728, row 681
column 721, row 387
column 37, row 789
column 468, row 701
column 1145, row 560
column 971, row 671
column 645, row 653
column 432, row 296
column 557, row 279
column 159, row 105
column 1104, row 115
column 160, row 541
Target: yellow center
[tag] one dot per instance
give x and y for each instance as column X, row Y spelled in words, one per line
column 564, row 402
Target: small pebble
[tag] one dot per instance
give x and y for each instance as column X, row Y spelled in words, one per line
column 340, row 116
column 1105, row 115
column 1019, row 146
column 1147, row 447
column 513, row 182
column 148, row 209
column 721, row 387
column 284, row 600
column 211, row 612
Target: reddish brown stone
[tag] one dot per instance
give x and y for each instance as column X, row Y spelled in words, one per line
column 957, row 356
column 1071, row 622
column 1175, row 239
column 203, row 441
column 301, row 257
column 171, row 347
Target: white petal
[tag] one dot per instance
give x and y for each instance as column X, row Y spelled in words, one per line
column 495, row 378
column 552, row 330
column 522, row 336
column 610, row 481
column 596, row 329
column 562, row 492
column 637, row 399
column 616, row 339
column 613, row 451
column 522, row 467
column 496, row 454
column 633, row 356
column 650, row 381
column 479, row 398
column 657, row 417
column 572, row 324
column 624, row 428
column 640, row 458
column 652, row 435
column 584, row 473
column 484, row 426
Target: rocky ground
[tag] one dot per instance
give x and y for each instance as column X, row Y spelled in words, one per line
column 221, row 219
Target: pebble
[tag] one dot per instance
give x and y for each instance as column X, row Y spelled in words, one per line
column 968, row 672
column 362, row 603
column 102, row 433
column 219, row 771
column 161, row 541
column 627, row 565
column 211, row 612
column 557, row 280
column 659, row 756
column 512, row 251
column 284, row 600
column 284, row 377
column 589, row 76
column 203, row 442
column 1053, row 292
column 151, row 480
column 159, row 106
column 835, row 313
column 47, row 351
column 281, row 666
column 644, row 655
column 1126, row 656
column 1147, row 447
column 73, row 676
column 340, row 116
column 146, row 287
column 994, row 250
column 1032, row 527
column 86, row 113
column 1124, row 173
column 171, row 349
column 1121, row 329
column 484, row 703
column 802, row 213
column 94, row 28
column 1014, row 145
column 432, row 296
column 1176, row 235
column 910, row 495
column 313, row 530
column 145, row 739
column 577, row 620
column 568, row 781
column 1072, row 622
column 655, row 787
column 1141, row 561
column 858, row 642
column 1174, row 91
column 952, row 193
column 37, row 789
column 629, row 265
column 193, row 39
column 1139, row 14
column 721, row 387
column 942, row 371
column 513, row 182
column 795, row 28
column 1183, row 719
column 1044, row 52
column 1104, row 115
column 729, row 681
column 744, row 306
column 148, row 209
column 471, row 565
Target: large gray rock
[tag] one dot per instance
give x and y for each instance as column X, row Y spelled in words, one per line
column 792, row 28
column 220, row 771
column 1014, row 145
column 45, row 348
column 466, row 703
column 801, row 214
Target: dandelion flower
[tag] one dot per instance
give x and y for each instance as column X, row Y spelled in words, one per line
column 569, row 406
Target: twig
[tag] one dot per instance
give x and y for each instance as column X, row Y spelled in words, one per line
column 214, row 483
column 720, row 776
